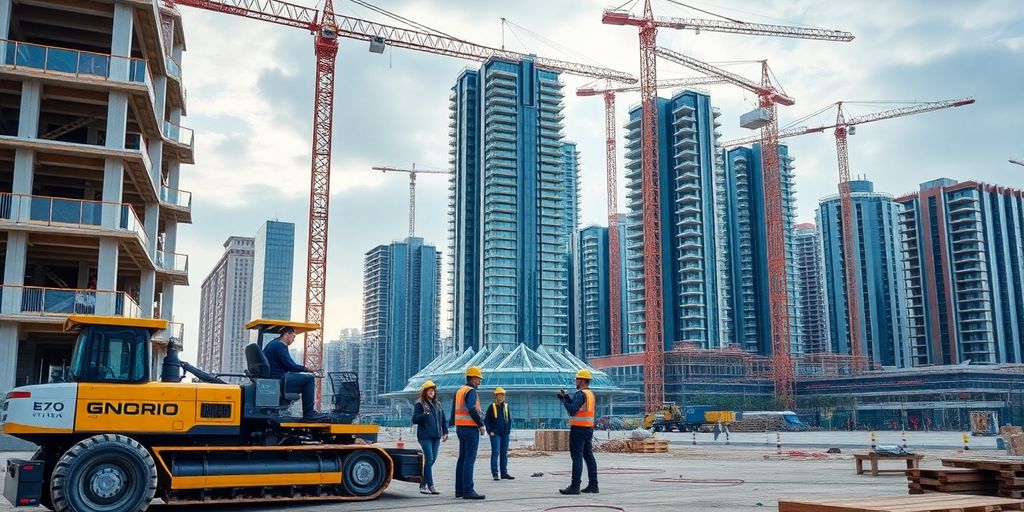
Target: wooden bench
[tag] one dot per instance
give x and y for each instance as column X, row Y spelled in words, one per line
column 921, row 503
column 913, row 462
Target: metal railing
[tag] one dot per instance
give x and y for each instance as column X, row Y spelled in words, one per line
column 66, row 301
column 172, row 261
column 182, row 198
column 175, row 331
column 173, row 68
column 53, row 59
column 178, row 134
column 65, row 212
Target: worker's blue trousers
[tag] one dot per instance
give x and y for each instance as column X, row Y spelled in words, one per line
column 581, row 448
column 469, row 442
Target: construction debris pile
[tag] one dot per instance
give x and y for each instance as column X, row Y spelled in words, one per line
column 1013, row 439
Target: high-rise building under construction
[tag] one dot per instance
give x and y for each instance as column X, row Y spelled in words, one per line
column 882, row 300
column 962, row 245
column 745, row 248
column 91, row 161
column 687, row 131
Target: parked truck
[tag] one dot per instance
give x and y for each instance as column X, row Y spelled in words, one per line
column 691, row 417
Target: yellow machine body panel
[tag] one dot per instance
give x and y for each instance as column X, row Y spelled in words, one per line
column 156, row 407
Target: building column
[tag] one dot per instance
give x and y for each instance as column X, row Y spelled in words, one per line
column 5, row 27
column 121, row 41
column 155, row 149
column 147, row 293
column 28, row 116
column 14, row 272
column 8, row 349
column 106, row 277
column 167, row 302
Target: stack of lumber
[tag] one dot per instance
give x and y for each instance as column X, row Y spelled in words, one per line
column 649, row 446
column 926, row 503
column 951, row 480
column 551, row 440
column 758, row 424
column 1007, row 473
column 1013, row 438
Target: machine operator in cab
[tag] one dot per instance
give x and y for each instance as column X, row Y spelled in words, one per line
column 469, row 426
column 581, row 406
column 297, row 378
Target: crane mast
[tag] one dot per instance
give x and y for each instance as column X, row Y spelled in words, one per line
column 775, row 228
column 648, row 24
column 850, row 261
column 611, row 159
column 412, row 189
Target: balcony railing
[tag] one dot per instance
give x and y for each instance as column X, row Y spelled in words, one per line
column 172, row 261
column 53, row 59
column 178, row 134
column 66, row 301
column 64, row 212
column 182, row 198
column 175, row 331
column 173, row 68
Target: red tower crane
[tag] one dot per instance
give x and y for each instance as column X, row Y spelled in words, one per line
column 610, row 158
column 778, row 286
column 648, row 24
column 412, row 189
column 841, row 128
column 327, row 28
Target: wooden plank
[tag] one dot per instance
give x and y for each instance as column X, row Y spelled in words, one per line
column 918, row 503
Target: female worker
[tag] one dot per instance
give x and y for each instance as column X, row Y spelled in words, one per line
column 432, row 428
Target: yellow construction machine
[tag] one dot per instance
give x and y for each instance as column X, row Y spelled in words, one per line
column 111, row 438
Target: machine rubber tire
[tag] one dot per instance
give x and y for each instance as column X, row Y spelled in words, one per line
column 364, row 472
column 104, row 473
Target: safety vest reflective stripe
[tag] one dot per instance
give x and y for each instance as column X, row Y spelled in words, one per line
column 585, row 416
column 462, row 416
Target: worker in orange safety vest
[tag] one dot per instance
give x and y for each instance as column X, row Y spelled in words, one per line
column 469, row 426
column 581, row 407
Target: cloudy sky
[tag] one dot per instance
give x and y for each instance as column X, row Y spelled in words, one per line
column 250, row 88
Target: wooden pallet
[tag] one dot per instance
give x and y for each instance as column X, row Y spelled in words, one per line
column 925, row 503
column 1007, row 473
column 952, row 480
column 649, row 446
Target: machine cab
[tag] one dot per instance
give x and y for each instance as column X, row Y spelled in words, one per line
column 112, row 349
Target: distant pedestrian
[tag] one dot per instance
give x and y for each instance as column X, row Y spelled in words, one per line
column 498, row 421
column 469, row 426
column 431, row 430
column 581, row 407
column 717, row 430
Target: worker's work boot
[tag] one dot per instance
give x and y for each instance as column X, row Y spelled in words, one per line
column 591, row 488
column 572, row 489
column 316, row 417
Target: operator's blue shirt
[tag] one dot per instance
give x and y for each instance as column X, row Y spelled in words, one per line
column 280, row 359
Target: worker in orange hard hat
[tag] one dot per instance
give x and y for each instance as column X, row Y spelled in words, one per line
column 498, row 421
column 431, row 429
column 581, row 407
column 469, row 426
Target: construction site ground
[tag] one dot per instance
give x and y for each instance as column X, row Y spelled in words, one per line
column 739, row 476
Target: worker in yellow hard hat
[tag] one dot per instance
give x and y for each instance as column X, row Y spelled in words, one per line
column 581, row 407
column 431, row 430
column 469, row 426
column 498, row 421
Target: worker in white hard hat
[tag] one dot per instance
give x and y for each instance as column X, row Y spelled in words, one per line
column 498, row 420
column 581, row 407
